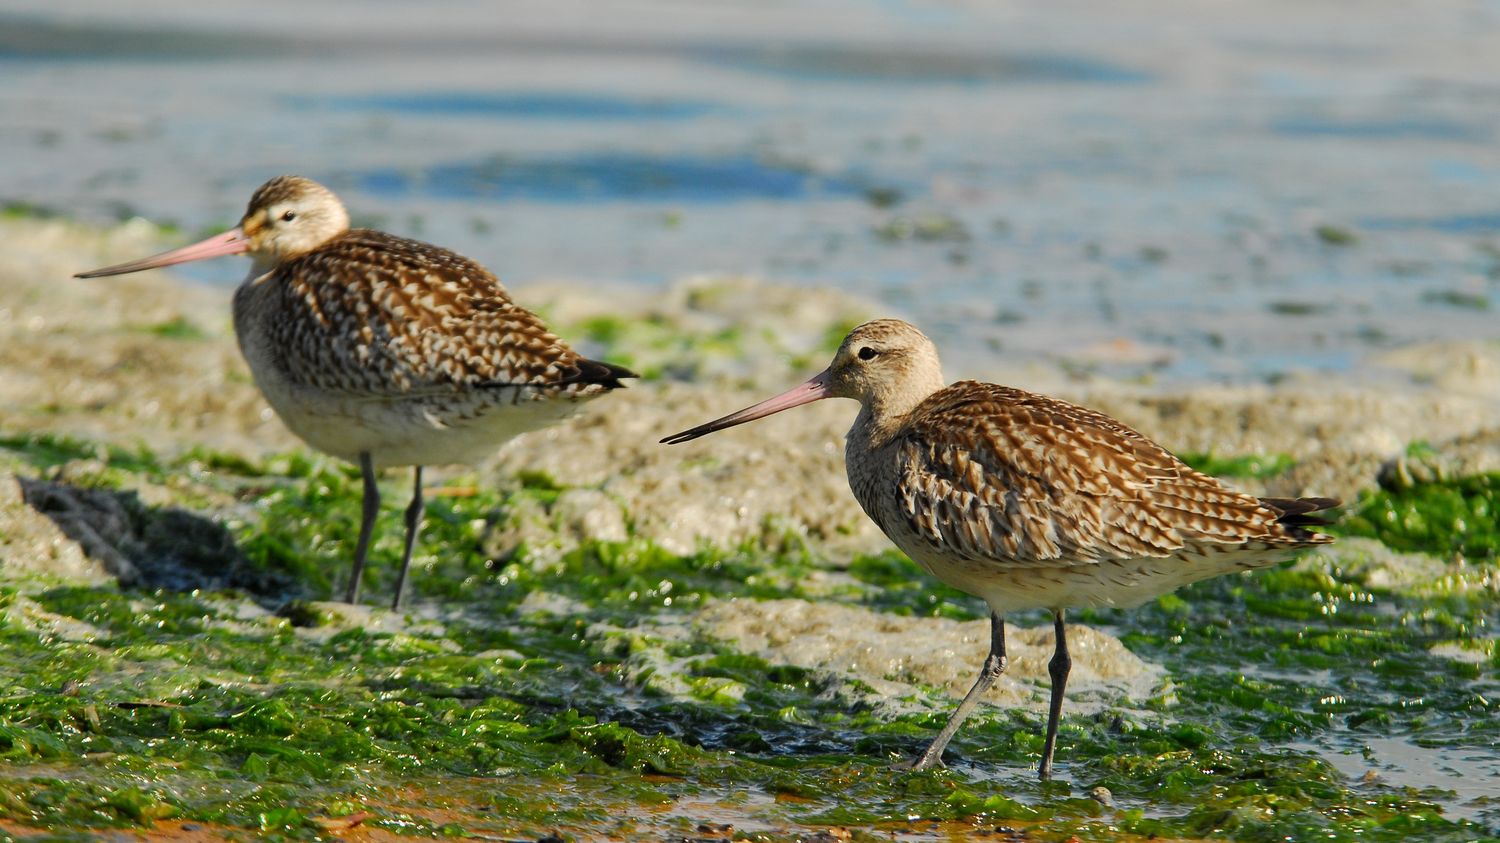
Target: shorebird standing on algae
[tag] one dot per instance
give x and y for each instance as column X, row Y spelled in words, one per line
column 385, row 351
column 1027, row 501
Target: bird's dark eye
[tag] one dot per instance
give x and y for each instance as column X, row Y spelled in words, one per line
column 867, row 353
column 288, row 216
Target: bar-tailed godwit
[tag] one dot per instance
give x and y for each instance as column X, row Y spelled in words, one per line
column 385, row 351
column 1027, row 501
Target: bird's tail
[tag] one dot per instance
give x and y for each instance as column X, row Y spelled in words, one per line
column 597, row 372
column 1303, row 515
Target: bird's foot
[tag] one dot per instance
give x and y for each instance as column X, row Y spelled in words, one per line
column 918, row 764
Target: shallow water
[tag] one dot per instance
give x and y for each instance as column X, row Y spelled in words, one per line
column 1225, row 192
column 1397, row 762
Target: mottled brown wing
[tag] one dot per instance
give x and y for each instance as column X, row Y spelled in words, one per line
column 404, row 317
column 997, row 474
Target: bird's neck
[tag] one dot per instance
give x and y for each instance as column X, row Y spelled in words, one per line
column 883, row 414
column 262, row 263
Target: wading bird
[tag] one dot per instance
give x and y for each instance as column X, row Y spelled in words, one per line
column 1027, row 501
column 385, row 351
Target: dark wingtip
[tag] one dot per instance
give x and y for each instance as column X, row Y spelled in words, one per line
column 599, row 372
column 1301, row 512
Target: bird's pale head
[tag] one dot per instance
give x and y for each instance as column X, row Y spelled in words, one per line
column 289, row 216
column 886, row 364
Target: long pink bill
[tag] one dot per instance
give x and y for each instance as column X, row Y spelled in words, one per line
column 231, row 242
column 814, row 389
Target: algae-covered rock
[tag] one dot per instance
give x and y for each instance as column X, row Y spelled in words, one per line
column 1420, row 575
column 898, row 654
column 29, row 615
column 1464, row 456
column 1337, row 436
column 745, row 484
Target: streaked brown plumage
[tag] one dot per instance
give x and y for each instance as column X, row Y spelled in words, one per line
column 1027, row 501
column 386, row 351
column 419, row 319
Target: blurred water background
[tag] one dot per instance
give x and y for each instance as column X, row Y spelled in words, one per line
column 1175, row 190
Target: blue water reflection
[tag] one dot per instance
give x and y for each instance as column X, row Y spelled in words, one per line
column 523, row 105
column 1391, row 128
column 610, row 176
column 839, row 63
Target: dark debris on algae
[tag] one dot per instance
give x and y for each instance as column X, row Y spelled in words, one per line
column 169, row 666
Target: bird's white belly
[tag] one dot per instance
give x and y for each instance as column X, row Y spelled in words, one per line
column 461, row 428
column 1119, row 583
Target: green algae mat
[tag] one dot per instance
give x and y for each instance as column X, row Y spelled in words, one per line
column 569, row 695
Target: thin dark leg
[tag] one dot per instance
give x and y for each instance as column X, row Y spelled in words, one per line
column 366, row 526
column 1059, row 666
column 413, row 525
column 994, row 665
